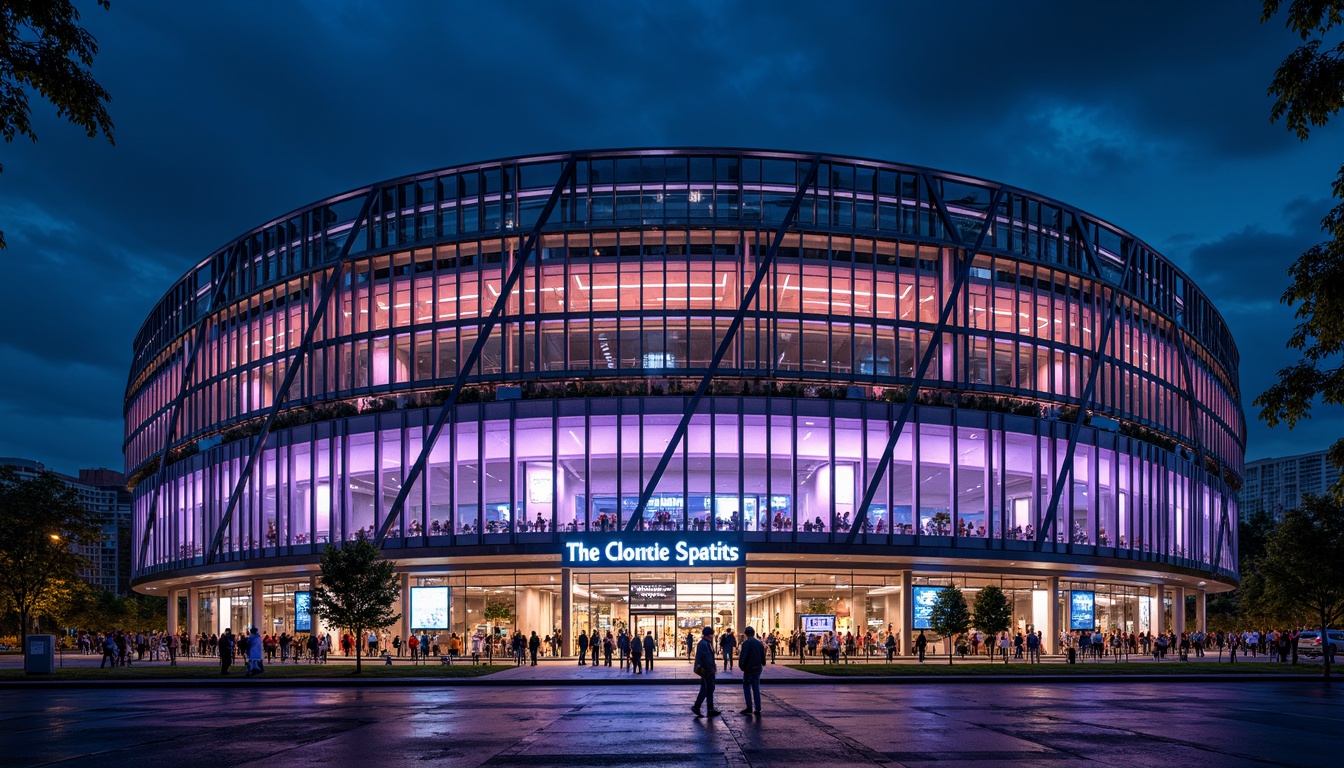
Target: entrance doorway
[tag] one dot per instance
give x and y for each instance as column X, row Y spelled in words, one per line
column 664, row 629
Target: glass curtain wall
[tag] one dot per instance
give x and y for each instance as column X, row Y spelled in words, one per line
column 769, row 469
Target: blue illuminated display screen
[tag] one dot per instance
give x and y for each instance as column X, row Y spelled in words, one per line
column 924, row 597
column 1083, row 610
column 303, row 619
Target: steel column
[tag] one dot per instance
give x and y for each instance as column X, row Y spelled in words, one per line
column 762, row 269
column 482, row 335
column 296, row 363
column 907, row 408
column 1088, row 392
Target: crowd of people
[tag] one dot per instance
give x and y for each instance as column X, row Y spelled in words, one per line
column 631, row 652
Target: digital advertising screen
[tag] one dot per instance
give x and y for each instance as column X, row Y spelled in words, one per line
column 817, row 623
column 1083, row 610
column 303, row 617
column 924, row 597
column 429, row 607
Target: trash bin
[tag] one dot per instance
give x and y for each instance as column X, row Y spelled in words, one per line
column 39, row 655
column 1073, row 655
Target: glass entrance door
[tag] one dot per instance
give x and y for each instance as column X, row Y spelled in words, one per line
column 664, row 629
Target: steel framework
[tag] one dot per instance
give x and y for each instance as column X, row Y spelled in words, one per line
column 296, row 363
column 175, row 408
column 748, row 298
column 464, row 370
column 959, row 281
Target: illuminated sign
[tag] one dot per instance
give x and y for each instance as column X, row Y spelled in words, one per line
column 675, row 552
column 815, row 624
column 653, row 596
column 429, row 607
column 303, row 617
column 924, row 597
column 1083, row 610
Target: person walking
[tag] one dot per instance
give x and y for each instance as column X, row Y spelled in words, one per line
column 594, row 646
column 226, row 644
column 172, row 650
column 727, row 644
column 705, row 667
column 533, row 646
column 623, row 645
column 649, row 648
column 690, row 646
column 519, row 646
column 890, row 646
column 109, row 651
column 583, row 647
column 254, row 652
column 636, row 654
column 608, row 648
column 921, row 645
column 751, row 660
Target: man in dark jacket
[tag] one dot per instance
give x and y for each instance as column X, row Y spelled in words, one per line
column 649, row 647
column 226, row 646
column 583, row 647
column 705, row 666
column 727, row 643
column 751, row 660
column 534, row 645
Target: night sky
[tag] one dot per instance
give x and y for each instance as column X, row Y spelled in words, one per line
column 1151, row 116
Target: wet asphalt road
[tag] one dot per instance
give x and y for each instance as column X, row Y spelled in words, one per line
column 1028, row 724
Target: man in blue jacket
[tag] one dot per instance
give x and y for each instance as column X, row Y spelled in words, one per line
column 751, row 660
column 705, row 665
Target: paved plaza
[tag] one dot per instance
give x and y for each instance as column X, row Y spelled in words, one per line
column 1027, row 724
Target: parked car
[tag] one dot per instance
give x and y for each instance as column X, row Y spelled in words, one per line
column 1309, row 643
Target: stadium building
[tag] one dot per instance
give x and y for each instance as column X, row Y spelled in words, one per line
column 670, row 388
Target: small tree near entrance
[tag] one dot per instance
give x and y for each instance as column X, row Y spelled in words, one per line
column 993, row 614
column 495, row 612
column 949, row 616
column 358, row 590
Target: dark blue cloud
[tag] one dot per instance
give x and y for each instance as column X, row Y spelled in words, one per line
column 1152, row 115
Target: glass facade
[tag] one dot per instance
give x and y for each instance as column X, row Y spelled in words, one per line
column 773, row 470
column 332, row 335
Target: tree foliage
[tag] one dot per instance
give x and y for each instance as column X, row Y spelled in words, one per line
column 949, row 616
column 993, row 612
column 497, row 610
column 43, row 48
column 42, row 525
column 358, row 590
column 1303, row 565
column 1308, row 91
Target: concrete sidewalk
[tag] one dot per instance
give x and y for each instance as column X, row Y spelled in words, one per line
column 568, row 671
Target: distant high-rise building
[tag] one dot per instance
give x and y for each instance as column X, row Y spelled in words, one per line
column 103, row 492
column 1275, row 485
